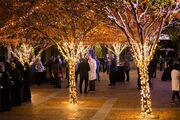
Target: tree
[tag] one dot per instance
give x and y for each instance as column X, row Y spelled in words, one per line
column 67, row 24
column 11, row 27
column 26, row 52
column 106, row 35
column 117, row 48
column 173, row 31
column 15, row 13
column 142, row 22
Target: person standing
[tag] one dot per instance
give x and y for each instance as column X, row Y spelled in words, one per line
column 175, row 75
column 39, row 67
column 127, row 69
column 16, row 78
column 161, row 62
column 92, row 73
column 107, row 63
column 98, row 68
column 83, row 69
column 56, row 71
column 7, row 65
column 5, row 89
column 67, row 74
column 113, row 70
column 27, row 82
column 50, row 68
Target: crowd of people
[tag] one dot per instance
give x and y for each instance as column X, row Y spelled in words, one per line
column 14, row 85
column 15, row 78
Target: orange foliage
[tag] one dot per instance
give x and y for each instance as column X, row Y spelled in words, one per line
column 103, row 34
column 12, row 42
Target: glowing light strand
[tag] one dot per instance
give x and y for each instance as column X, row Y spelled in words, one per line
column 142, row 63
column 25, row 54
column 23, row 17
column 143, row 40
column 117, row 50
column 72, row 52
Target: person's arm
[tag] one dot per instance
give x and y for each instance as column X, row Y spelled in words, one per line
column 94, row 65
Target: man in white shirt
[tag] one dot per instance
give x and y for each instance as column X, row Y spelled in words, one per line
column 92, row 72
column 175, row 75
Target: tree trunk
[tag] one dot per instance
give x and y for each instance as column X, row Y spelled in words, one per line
column 145, row 90
column 118, row 60
column 72, row 84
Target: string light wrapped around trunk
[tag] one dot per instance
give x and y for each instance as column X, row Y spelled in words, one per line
column 72, row 84
column 71, row 52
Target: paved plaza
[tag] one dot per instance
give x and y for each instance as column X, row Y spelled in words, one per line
column 120, row 102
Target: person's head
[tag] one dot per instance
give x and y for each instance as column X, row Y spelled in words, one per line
column 89, row 56
column 2, row 69
column 176, row 66
column 13, row 65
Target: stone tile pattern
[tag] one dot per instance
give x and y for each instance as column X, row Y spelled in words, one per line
column 120, row 102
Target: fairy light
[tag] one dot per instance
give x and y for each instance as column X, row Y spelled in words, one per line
column 25, row 54
column 117, row 50
column 143, row 38
column 71, row 52
column 142, row 56
column 13, row 23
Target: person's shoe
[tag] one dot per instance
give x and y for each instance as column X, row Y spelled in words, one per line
column 90, row 91
column 85, row 92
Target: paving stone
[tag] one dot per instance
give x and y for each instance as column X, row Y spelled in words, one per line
column 119, row 102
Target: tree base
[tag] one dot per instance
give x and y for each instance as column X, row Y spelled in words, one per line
column 151, row 117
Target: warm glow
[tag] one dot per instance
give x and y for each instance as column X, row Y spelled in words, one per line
column 142, row 26
column 117, row 49
column 25, row 54
column 142, row 56
column 72, row 106
column 72, row 52
column 13, row 23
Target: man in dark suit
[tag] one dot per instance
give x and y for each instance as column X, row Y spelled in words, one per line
column 83, row 69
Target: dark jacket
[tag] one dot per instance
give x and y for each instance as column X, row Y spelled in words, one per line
column 5, row 80
column 16, row 77
column 83, row 69
column 27, row 75
column 113, row 66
